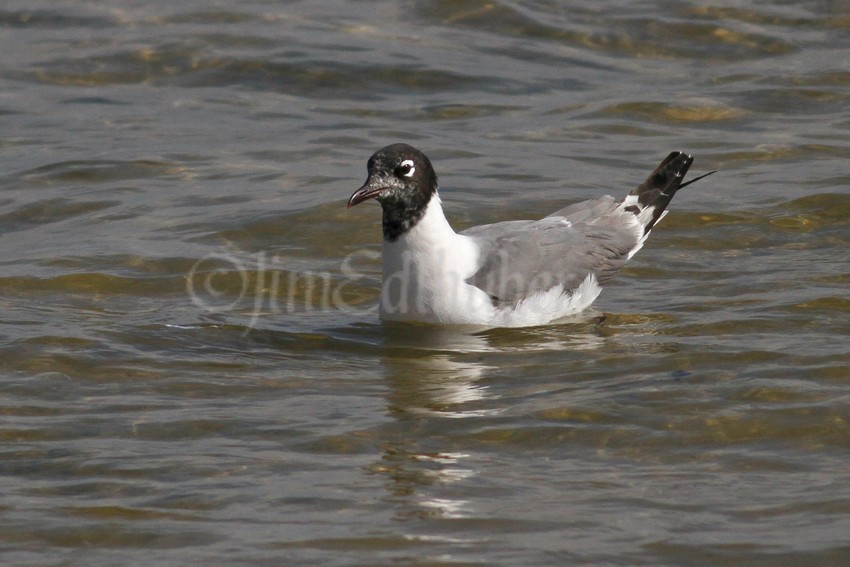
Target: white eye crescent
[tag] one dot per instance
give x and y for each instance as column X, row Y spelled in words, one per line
column 408, row 168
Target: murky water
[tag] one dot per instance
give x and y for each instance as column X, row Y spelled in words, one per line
column 192, row 368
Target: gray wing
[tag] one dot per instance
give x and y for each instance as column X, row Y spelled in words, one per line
column 519, row 258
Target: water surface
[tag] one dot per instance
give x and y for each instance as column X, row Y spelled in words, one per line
column 191, row 365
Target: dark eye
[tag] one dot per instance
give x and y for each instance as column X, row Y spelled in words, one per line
column 406, row 168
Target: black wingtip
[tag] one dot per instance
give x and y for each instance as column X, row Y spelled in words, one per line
column 662, row 184
column 704, row 175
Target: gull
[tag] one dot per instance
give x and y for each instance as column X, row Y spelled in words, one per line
column 507, row 274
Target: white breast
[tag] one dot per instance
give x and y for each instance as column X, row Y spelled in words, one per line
column 425, row 271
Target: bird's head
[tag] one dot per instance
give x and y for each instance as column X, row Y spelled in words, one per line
column 400, row 177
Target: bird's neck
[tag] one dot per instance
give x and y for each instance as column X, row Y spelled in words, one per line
column 430, row 245
column 429, row 227
column 401, row 217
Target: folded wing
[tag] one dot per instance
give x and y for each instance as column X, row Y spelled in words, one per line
column 520, row 258
column 595, row 237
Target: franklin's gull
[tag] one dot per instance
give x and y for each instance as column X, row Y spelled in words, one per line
column 508, row 274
